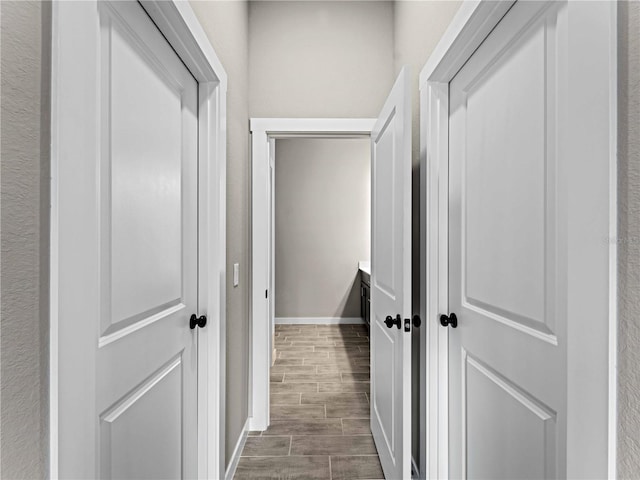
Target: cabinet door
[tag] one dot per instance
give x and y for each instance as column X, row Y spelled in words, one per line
column 367, row 306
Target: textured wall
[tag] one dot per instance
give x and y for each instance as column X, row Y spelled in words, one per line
column 418, row 27
column 322, row 225
column 629, row 241
column 319, row 59
column 226, row 24
column 24, row 171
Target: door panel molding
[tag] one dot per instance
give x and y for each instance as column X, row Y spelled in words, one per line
column 75, row 94
column 517, row 406
column 597, row 22
column 113, row 412
column 140, row 404
column 376, row 400
column 144, row 319
column 526, row 399
column 520, row 50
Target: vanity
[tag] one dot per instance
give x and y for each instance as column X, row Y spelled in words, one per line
column 365, row 291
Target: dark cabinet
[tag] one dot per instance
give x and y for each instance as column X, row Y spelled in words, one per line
column 365, row 302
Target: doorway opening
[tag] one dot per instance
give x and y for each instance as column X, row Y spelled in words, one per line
column 311, row 237
column 319, row 377
column 321, row 229
column 265, row 132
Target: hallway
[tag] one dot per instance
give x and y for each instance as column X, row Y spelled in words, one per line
column 319, row 408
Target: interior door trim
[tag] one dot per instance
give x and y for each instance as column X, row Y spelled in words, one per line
column 473, row 22
column 74, row 44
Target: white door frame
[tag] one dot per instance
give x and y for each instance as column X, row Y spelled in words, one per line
column 71, row 143
column 263, row 133
column 473, row 22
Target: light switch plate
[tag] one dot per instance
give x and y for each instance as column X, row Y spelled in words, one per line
column 236, row 274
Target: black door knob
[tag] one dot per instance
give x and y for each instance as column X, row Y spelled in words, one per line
column 449, row 320
column 200, row 322
column 390, row 322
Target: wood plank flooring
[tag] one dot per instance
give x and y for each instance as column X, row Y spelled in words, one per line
column 319, row 408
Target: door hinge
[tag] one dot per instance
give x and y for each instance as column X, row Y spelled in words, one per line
column 266, row 294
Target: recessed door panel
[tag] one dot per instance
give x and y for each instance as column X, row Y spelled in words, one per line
column 384, row 209
column 522, row 429
column 504, row 193
column 506, row 357
column 146, row 171
column 382, row 396
column 141, row 434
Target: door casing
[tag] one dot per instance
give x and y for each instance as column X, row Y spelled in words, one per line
column 264, row 132
column 69, row 77
column 597, row 22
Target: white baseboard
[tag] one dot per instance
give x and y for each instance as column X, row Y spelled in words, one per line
column 319, row 320
column 255, row 426
column 237, row 452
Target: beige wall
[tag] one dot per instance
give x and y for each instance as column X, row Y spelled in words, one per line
column 24, row 171
column 629, row 241
column 319, row 59
column 226, row 25
column 322, row 225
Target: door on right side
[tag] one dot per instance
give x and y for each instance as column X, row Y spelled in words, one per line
column 508, row 251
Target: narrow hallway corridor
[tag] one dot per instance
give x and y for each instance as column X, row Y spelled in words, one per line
column 319, row 408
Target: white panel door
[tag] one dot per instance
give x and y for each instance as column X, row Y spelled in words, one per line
column 391, row 281
column 146, row 359
column 507, row 252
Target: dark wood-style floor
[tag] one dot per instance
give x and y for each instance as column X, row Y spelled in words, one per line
column 319, row 408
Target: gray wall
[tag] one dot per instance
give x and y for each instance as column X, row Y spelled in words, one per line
column 226, row 24
column 418, row 26
column 629, row 241
column 319, row 59
column 24, row 171
column 322, row 225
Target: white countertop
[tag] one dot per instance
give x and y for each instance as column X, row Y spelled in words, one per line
column 365, row 267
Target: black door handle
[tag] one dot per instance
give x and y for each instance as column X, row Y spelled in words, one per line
column 390, row 322
column 408, row 322
column 193, row 321
column 449, row 320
